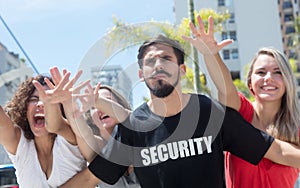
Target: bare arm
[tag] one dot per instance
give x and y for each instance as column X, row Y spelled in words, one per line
column 284, row 153
column 9, row 133
column 112, row 108
column 205, row 43
column 88, row 143
column 83, row 179
column 61, row 92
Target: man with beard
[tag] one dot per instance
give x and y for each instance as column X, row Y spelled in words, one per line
column 178, row 139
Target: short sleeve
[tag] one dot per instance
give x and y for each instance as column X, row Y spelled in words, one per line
column 246, row 109
column 109, row 167
column 242, row 139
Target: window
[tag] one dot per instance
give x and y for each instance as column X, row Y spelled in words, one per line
column 234, row 54
column 232, row 35
column 235, row 75
column 226, row 54
column 290, row 30
column 287, row 4
column 232, row 18
column 290, row 41
column 221, row 2
column 288, row 17
column 224, row 36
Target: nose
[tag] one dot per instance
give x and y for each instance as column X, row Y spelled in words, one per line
column 268, row 77
column 158, row 64
column 40, row 104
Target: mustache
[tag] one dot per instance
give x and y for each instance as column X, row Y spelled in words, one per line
column 160, row 72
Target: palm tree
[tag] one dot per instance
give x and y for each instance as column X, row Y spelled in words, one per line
column 124, row 35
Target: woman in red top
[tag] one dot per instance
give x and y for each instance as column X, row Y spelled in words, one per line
column 275, row 109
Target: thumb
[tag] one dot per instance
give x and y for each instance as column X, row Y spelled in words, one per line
column 186, row 38
column 224, row 43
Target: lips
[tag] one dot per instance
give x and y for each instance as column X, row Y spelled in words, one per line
column 104, row 117
column 39, row 120
column 269, row 88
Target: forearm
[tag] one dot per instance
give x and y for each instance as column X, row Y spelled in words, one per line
column 4, row 119
column 221, row 77
column 53, row 117
column 112, row 108
column 284, row 153
column 85, row 137
column 70, row 115
column 83, row 179
column 9, row 134
column 88, row 143
column 56, row 123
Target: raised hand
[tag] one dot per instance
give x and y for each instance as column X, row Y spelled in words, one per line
column 204, row 41
column 62, row 88
column 86, row 100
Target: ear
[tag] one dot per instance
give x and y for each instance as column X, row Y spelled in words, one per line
column 251, row 89
column 141, row 76
column 182, row 69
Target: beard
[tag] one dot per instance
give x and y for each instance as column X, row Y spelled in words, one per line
column 161, row 89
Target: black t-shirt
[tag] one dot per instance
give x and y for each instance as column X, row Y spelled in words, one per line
column 184, row 150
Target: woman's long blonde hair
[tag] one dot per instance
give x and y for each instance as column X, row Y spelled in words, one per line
column 287, row 121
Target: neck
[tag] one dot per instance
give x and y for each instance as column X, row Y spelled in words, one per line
column 44, row 144
column 170, row 105
column 266, row 112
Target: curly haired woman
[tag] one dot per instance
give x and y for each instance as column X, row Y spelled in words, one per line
column 38, row 140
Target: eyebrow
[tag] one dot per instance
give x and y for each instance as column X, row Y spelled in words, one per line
column 33, row 96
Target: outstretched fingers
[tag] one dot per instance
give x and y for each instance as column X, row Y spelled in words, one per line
column 211, row 27
column 55, row 74
column 49, row 83
column 201, row 27
column 81, row 85
column 224, row 43
column 40, row 89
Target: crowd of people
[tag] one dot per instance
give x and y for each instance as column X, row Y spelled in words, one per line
column 58, row 136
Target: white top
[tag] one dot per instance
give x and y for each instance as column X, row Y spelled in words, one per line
column 67, row 161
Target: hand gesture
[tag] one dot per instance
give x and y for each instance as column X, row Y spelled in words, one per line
column 86, row 100
column 61, row 90
column 204, row 41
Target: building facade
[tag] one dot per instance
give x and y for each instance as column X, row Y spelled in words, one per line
column 113, row 75
column 252, row 25
column 12, row 72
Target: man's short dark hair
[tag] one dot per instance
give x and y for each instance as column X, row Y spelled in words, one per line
column 161, row 39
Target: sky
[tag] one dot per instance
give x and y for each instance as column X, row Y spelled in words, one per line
column 61, row 33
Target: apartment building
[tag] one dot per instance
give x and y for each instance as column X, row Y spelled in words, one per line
column 252, row 25
column 113, row 75
column 12, row 73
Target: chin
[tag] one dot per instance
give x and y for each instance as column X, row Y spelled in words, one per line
column 109, row 125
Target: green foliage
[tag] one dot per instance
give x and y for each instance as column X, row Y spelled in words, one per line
column 242, row 87
column 188, row 80
column 184, row 29
column 293, row 64
column 124, row 35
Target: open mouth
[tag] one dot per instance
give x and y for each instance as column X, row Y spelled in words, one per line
column 104, row 117
column 39, row 120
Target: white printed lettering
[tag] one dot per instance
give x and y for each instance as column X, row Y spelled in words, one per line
column 174, row 150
